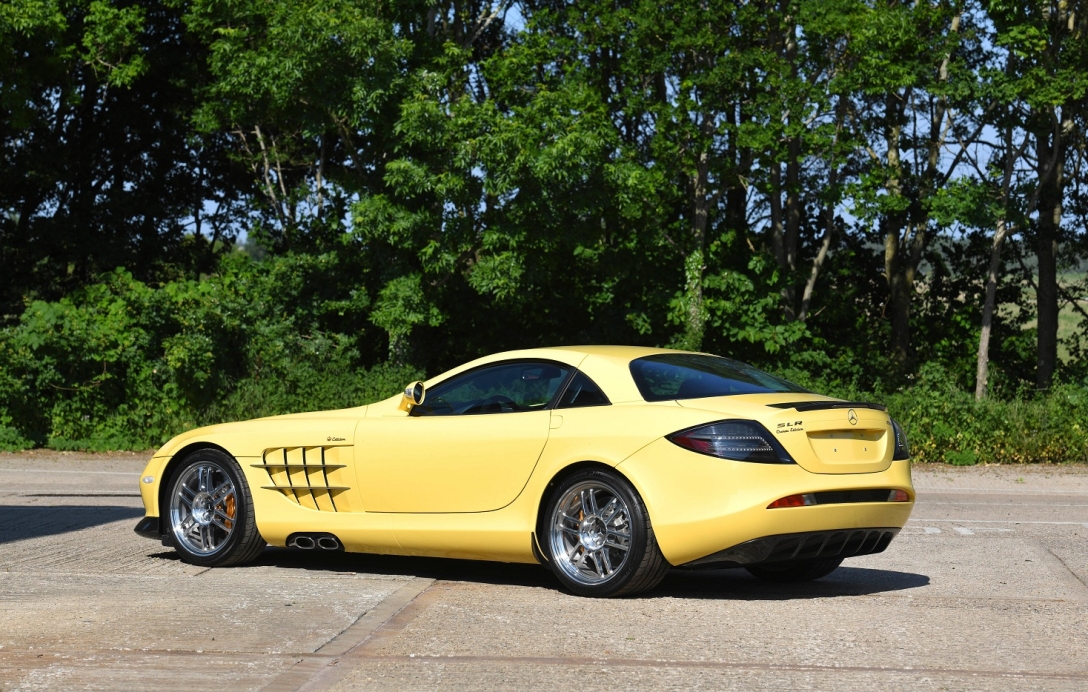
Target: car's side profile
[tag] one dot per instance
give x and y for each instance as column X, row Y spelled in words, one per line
column 608, row 464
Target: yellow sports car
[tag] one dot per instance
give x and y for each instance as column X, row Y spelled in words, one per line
column 608, row 464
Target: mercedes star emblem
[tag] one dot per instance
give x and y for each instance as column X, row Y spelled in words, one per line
column 852, row 417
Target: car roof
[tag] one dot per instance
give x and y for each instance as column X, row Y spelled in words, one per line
column 608, row 366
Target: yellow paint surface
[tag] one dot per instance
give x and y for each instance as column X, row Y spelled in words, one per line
column 472, row 486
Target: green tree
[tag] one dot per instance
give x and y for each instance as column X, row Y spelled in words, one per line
column 100, row 165
column 1049, row 45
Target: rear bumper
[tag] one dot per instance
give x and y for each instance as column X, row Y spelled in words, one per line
column 702, row 506
column 149, row 527
column 795, row 547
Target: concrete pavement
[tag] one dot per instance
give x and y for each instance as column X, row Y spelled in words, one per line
column 985, row 589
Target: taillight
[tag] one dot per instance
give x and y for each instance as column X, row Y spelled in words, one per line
column 739, row 440
column 806, row 500
column 898, row 496
column 902, row 450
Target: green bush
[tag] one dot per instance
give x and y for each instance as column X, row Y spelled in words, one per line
column 121, row 365
column 946, row 424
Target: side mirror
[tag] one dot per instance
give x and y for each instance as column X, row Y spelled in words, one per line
column 414, row 394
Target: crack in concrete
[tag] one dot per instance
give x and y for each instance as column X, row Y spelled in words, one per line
column 320, row 670
column 1065, row 566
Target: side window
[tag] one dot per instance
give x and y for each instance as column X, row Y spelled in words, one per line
column 500, row 388
column 582, row 391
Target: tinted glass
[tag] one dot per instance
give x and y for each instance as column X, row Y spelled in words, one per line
column 502, row 388
column 582, row 391
column 692, row 376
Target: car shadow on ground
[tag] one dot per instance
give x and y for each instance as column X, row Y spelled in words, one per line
column 735, row 584
column 21, row 522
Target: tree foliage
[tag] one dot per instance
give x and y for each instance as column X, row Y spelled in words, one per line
column 847, row 189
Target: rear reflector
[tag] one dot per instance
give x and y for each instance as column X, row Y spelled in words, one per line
column 794, row 501
column 838, row 497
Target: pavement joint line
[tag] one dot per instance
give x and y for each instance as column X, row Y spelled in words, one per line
column 1004, row 491
column 595, row 662
column 1002, row 521
column 319, row 671
column 91, row 494
column 74, row 472
column 1001, row 504
column 670, row 663
column 68, row 653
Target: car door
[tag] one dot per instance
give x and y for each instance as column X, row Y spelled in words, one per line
column 469, row 447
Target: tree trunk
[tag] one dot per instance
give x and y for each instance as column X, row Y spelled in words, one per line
column 825, row 245
column 895, row 262
column 778, row 229
column 793, row 222
column 695, row 262
column 1050, row 161
column 900, row 288
column 736, row 196
column 828, row 214
column 793, row 180
column 982, row 374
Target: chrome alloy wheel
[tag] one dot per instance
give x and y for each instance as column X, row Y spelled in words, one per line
column 203, row 508
column 590, row 533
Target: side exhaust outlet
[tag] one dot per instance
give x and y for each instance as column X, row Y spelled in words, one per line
column 301, row 542
column 312, row 541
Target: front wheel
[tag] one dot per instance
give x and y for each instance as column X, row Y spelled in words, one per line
column 598, row 535
column 795, row 571
column 210, row 509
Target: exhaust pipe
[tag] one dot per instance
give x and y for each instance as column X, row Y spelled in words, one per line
column 304, row 542
column 310, row 541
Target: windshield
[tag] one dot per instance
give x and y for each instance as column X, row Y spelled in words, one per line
column 693, row 376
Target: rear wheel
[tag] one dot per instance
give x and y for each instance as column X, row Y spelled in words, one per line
column 599, row 538
column 210, row 511
column 795, row 571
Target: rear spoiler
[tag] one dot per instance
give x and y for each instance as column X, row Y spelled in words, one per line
column 825, row 405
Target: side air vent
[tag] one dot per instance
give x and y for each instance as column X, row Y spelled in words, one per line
column 309, row 476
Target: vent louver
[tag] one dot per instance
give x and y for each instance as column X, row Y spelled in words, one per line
column 309, row 476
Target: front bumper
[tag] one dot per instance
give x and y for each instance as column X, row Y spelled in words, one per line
column 149, row 527
column 797, row 547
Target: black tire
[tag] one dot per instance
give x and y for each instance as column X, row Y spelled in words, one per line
column 795, row 571
column 195, row 513
column 642, row 566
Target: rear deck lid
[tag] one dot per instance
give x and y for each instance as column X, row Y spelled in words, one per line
column 822, row 435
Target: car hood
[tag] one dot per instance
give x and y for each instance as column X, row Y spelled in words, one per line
column 252, row 437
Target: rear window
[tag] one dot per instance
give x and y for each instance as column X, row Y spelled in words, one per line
column 694, row 376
